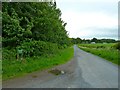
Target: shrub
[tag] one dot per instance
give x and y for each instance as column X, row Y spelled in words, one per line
column 117, row 46
column 38, row 48
column 8, row 54
column 33, row 48
column 62, row 46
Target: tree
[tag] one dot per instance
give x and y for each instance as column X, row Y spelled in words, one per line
column 94, row 40
column 25, row 22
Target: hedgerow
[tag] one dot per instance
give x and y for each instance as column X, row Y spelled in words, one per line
column 30, row 49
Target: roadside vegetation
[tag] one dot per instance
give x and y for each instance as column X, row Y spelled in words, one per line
column 33, row 38
column 13, row 68
column 109, row 51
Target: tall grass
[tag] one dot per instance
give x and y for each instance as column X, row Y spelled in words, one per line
column 106, row 51
column 15, row 68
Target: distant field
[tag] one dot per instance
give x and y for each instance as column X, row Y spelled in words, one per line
column 107, row 51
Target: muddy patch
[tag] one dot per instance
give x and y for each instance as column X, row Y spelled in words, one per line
column 34, row 76
column 56, row 72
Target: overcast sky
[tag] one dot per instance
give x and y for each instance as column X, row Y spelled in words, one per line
column 90, row 18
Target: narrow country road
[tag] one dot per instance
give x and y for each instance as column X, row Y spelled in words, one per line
column 87, row 71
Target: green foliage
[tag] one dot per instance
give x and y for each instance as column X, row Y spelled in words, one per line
column 8, row 54
column 87, row 41
column 76, row 40
column 117, row 46
column 103, row 50
column 36, row 28
column 103, row 40
column 30, row 49
column 99, row 45
column 15, row 68
column 38, row 48
column 22, row 22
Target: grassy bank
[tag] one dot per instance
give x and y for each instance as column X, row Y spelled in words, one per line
column 13, row 68
column 106, row 51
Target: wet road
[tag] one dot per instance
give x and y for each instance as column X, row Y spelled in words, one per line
column 89, row 71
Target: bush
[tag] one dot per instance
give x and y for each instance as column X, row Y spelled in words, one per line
column 62, row 46
column 33, row 48
column 100, row 46
column 38, row 48
column 117, row 46
column 8, row 54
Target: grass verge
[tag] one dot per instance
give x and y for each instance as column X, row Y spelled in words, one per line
column 13, row 68
column 103, row 51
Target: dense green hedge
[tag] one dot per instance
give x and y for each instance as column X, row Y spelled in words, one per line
column 8, row 54
column 33, row 48
column 38, row 48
